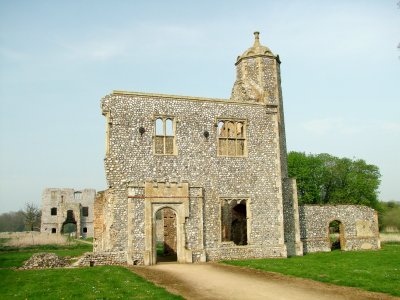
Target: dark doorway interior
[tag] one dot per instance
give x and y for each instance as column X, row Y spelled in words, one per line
column 69, row 225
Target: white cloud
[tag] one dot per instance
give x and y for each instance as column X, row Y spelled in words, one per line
column 391, row 126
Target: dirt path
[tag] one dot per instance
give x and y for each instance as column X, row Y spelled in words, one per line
column 215, row 281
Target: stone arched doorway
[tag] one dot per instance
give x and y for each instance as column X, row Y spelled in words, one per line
column 336, row 235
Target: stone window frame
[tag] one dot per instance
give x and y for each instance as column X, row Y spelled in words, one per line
column 239, row 200
column 164, row 119
column 53, row 211
column 244, row 137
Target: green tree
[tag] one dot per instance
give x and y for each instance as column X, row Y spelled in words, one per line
column 12, row 221
column 326, row 179
column 32, row 216
column 389, row 215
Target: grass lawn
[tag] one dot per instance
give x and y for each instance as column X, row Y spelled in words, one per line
column 14, row 257
column 377, row 271
column 103, row 282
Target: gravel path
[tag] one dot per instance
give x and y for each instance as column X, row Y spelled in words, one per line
column 216, row 281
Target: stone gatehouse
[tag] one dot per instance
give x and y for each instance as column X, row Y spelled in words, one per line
column 68, row 210
column 216, row 167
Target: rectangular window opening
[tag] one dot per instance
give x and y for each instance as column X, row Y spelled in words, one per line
column 164, row 136
column 231, row 137
column 85, row 211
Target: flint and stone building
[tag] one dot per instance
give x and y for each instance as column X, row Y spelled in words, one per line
column 68, row 207
column 214, row 171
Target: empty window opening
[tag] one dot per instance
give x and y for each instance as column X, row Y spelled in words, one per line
column 84, row 230
column 336, row 235
column 53, row 211
column 77, row 195
column 164, row 140
column 53, row 230
column 234, row 222
column 85, row 211
column 166, row 235
column 231, row 138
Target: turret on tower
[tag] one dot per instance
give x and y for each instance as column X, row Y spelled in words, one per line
column 257, row 75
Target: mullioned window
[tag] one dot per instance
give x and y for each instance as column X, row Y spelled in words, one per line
column 231, row 137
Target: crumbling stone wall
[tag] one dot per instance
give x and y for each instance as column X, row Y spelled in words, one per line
column 103, row 220
column 91, row 259
column 359, row 223
column 55, row 206
column 257, row 175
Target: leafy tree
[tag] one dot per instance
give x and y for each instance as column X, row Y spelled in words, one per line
column 12, row 221
column 32, row 216
column 326, row 179
column 389, row 215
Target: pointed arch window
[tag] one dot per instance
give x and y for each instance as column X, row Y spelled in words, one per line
column 231, row 137
column 164, row 139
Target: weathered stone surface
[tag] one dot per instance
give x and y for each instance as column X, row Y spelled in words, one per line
column 45, row 261
column 219, row 164
column 91, row 259
column 55, row 206
column 359, row 227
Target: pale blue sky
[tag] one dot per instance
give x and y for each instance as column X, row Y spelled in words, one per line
column 340, row 78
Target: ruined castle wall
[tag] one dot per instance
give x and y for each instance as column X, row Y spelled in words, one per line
column 256, row 177
column 62, row 200
column 360, row 227
column 291, row 218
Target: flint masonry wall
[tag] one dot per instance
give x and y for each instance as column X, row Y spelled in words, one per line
column 360, row 227
column 255, row 177
column 203, row 180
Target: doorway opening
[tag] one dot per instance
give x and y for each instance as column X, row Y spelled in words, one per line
column 234, row 223
column 166, row 235
column 69, row 225
column 336, row 233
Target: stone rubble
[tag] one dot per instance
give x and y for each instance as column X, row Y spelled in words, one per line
column 45, row 261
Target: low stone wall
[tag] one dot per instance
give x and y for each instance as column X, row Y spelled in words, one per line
column 101, row 258
column 231, row 252
column 359, row 227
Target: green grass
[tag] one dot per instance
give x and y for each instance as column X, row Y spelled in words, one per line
column 103, row 282
column 377, row 271
column 14, row 257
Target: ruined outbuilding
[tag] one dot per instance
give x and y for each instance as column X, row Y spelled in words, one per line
column 211, row 174
column 68, row 211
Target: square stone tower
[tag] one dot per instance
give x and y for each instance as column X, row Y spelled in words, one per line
column 216, row 167
column 68, row 211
